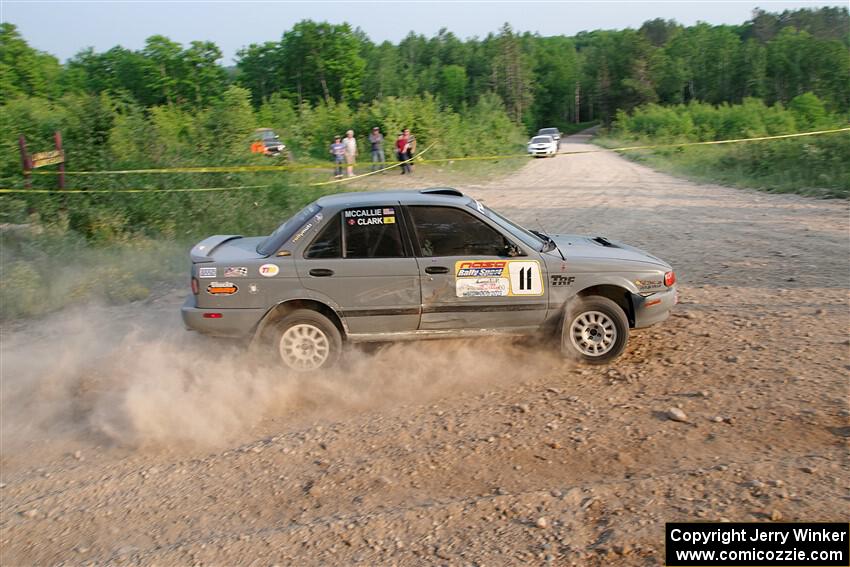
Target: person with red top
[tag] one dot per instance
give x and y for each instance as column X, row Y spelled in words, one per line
column 402, row 148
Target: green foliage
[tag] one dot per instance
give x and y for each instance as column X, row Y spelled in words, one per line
column 24, row 70
column 816, row 165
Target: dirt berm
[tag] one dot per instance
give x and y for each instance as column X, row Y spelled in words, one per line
column 127, row 440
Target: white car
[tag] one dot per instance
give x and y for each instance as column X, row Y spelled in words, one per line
column 543, row 146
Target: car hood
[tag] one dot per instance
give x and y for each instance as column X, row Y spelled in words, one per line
column 227, row 248
column 599, row 247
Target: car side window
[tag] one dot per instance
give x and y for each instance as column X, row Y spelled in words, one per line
column 328, row 243
column 372, row 232
column 448, row 231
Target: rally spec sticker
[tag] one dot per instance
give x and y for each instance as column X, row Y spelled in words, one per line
column 302, row 232
column 498, row 278
column 235, row 272
column 269, row 270
column 222, row 288
column 370, row 217
column 208, row 272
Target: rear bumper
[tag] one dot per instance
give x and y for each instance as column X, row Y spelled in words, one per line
column 653, row 308
column 232, row 323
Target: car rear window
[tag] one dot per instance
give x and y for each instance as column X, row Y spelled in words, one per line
column 285, row 231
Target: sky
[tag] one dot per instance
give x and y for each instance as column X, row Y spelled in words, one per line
column 64, row 27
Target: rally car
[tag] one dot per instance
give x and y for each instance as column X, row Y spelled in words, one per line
column 389, row 266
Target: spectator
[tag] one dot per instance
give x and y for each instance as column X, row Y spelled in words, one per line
column 411, row 148
column 338, row 153
column 350, row 143
column 376, row 139
column 401, row 150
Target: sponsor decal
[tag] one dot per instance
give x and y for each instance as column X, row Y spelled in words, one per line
column 302, row 232
column 252, row 289
column 318, row 217
column 208, row 272
column 269, row 270
column 222, row 288
column 491, row 278
column 649, row 285
column 482, row 287
column 370, row 217
column 559, row 280
column 472, row 269
column 235, row 272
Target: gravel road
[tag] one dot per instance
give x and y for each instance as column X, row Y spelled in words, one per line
column 129, row 441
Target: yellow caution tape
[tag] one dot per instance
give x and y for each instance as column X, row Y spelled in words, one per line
column 352, row 178
column 297, row 167
column 120, row 191
column 416, row 159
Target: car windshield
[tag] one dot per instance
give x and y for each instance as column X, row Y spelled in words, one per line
column 516, row 230
column 548, row 131
column 541, row 140
column 276, row 239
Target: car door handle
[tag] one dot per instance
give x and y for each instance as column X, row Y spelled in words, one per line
column 321, row 272
column 436, row 270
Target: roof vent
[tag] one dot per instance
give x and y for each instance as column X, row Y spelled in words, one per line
column 442, row 191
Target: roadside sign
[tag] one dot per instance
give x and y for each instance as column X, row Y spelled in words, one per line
column 52, row 157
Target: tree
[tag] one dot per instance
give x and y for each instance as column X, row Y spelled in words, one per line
column 168, row 65
column 452, row 86
column 511, row 74
column 24, row 70
column 205, row 79
column 321, row 61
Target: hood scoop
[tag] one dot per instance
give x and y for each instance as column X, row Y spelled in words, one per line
column 604, row 242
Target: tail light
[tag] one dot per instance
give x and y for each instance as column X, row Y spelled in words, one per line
column 195, row 286
column 669, row 278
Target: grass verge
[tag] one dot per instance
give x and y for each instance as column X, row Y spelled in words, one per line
column 815, row 166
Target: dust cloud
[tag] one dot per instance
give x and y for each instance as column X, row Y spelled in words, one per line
column 144, row 381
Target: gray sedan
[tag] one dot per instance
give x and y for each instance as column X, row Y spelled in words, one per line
column 390, row 266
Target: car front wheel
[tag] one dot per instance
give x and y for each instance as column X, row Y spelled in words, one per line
column 307, row 340
column 595, row 330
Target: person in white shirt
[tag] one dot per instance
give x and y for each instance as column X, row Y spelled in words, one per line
column 350, row 143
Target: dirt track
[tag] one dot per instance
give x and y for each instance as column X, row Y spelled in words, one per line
column 461, row 453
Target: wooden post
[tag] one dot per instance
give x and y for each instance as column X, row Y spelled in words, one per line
column 25, row 161
column 57, row 139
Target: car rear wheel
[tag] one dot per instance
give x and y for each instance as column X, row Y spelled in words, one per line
column 595, row 330
column 307, row 340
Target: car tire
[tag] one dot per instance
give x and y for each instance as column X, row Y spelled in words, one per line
column 306, row 340
column 594, row 331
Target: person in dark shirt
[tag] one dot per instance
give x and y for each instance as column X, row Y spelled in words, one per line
column 376, row 139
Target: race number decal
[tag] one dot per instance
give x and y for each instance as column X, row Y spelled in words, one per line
column 498, row 278
column 526, row 278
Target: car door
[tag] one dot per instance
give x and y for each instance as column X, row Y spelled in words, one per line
column 360, row 260
column 472, row 275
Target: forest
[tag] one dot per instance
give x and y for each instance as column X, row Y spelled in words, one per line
column 169, row 104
